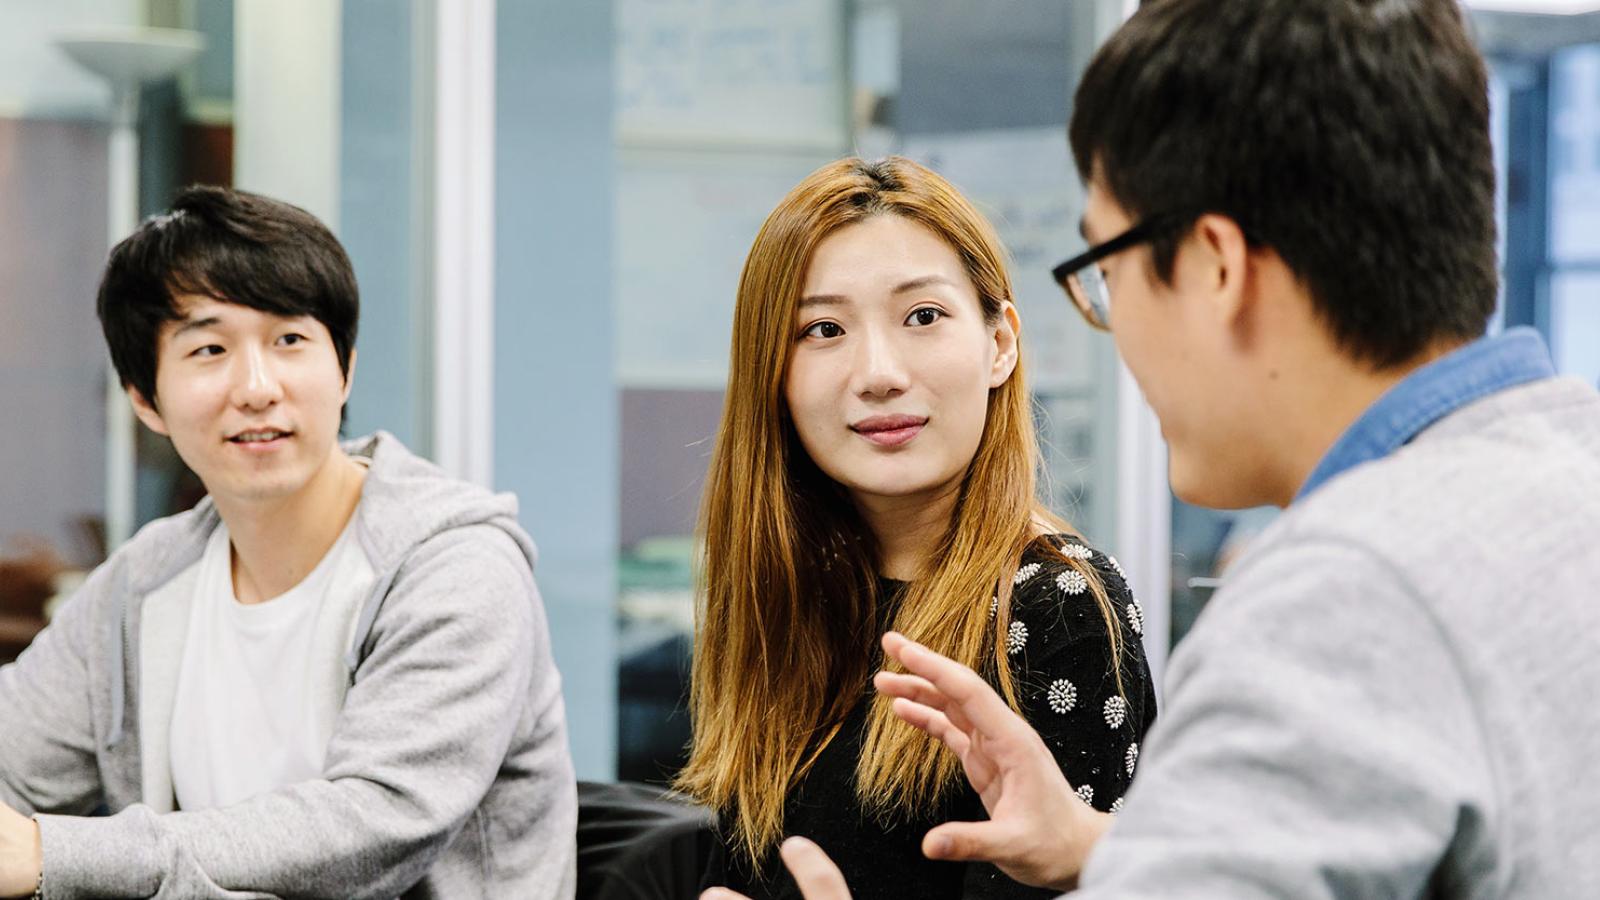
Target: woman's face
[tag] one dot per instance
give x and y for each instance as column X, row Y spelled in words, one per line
column 889, row 379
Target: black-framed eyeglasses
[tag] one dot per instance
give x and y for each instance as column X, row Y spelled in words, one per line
column 1085, row 283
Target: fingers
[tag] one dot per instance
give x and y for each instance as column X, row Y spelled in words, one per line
column 966, row 841
column 962, row 688
column 915, row 689
column 920, row 691
column 720, row 893
column 935, row 723
column 1024, row 860
column 818, row 877
column 980, row 768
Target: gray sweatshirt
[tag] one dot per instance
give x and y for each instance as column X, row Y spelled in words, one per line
column 1395, row 692
column 448, row 773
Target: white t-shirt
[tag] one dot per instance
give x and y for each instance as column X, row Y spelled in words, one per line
column 261, row 685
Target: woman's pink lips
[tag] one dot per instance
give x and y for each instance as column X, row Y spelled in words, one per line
column 889, row 431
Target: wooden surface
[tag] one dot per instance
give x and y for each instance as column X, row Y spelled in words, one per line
column 16, row 632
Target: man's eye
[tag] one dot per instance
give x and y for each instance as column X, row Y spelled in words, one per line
column 289, row 340
column 927, row 315
column 207, row 350
column 823, row 330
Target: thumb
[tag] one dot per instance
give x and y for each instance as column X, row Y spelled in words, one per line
column 813, row 871
column 983, row 841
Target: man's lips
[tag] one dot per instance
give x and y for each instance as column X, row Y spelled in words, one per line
column 258, row 436
column 890, row 431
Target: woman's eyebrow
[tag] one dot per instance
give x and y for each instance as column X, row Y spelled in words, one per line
column 822, row 300
column 917, row 284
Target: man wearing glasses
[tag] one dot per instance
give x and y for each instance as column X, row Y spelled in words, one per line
column 1291, row 207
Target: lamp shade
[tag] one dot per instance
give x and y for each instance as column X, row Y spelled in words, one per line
column 131, row 56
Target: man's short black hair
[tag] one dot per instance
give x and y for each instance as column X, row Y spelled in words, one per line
column 1351, row 136
column 237, row 247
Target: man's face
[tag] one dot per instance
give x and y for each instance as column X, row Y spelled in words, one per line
column 251, row 400
column 1184, row 355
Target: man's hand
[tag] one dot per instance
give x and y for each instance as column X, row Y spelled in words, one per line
column 20, row 854
column 818, row 877
column 1039, row 831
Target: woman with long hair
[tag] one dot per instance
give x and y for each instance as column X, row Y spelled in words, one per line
column 875, row 468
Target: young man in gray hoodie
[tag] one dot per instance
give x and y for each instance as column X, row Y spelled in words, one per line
column 331, row 678
column 1291, row 211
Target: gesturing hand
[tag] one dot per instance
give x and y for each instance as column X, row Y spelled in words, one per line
column 813, row 871
column 20, row 856
column 1039, row 831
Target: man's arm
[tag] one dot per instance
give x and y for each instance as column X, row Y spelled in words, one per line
column 1319, row 740
column 19, row 854
column 424, row 730
column 47, row 739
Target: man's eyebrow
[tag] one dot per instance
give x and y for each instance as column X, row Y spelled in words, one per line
column 195, row 325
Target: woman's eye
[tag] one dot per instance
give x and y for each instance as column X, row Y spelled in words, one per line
column 823, row 330
column 927, row 315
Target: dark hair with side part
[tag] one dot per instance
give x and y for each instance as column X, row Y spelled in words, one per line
column 1350, row 136
column 236, row 247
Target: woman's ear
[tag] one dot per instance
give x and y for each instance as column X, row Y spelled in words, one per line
column 1006, row 332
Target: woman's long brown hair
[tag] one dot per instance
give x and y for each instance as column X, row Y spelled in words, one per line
column 787, row 612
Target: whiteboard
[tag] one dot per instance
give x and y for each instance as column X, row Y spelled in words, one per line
column 751, row 72
column 1024, row 181
column 685, row 222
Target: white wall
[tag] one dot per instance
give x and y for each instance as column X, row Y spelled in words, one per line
column 286, row 102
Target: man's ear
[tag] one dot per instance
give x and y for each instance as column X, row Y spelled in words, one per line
column 1221, row 259
column 1006, row 333
column 349, row 376
column 146, row 411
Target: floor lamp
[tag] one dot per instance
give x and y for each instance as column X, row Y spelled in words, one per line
column 128, row 59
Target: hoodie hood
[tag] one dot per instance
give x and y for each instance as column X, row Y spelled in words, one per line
column 405, row 501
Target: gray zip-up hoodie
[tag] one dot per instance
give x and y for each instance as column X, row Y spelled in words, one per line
column 448, row 773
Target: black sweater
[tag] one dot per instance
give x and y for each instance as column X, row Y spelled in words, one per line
column 1061, row 661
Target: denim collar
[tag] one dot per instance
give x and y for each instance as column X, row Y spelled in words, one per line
column 1483, row 367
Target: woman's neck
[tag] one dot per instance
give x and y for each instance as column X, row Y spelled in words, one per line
column 908, row 529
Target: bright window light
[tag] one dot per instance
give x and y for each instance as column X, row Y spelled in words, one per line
column 1537, row 7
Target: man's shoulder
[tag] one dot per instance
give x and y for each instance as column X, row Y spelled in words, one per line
column 162, row 548
column 1490, row 469
column 412, row 508
column 1497, row 502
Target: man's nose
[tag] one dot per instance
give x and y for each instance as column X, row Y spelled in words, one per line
column 256, row 384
